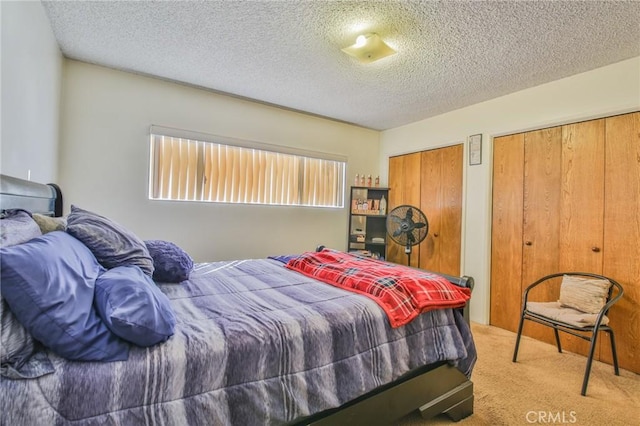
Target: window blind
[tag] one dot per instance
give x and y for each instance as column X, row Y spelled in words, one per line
column 189, row 169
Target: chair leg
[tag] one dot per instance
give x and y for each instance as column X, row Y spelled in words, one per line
column 515, row 351
column 614, row 354
column 592, row 349
column 555, row 331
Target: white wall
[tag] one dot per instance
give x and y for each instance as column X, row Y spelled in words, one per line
column 31, row 80
column 104, row 163
column 605, row 91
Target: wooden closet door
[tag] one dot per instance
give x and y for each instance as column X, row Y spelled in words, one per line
column 450, row 232
column 580, row 212
column 582, row 206
column 541, row 222
column 622, row 235
column 506, row 231
column 441, row 202
column 430, row 200
column 404, row 188
column 582, row 215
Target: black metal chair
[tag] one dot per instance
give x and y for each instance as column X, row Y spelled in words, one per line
column 584, row 325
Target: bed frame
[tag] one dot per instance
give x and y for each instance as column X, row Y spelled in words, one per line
column 35, row 197
column 434, row 389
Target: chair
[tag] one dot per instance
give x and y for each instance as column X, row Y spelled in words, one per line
column 585, row 299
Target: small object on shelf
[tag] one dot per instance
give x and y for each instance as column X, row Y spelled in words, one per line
column 377, row 181
column 357, row 180
column 369, row 180
column 367, row 226
column 383, row 206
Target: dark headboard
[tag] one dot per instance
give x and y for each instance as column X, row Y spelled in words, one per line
column 35, row 197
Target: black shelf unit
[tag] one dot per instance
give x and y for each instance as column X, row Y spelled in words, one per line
column 367, row 223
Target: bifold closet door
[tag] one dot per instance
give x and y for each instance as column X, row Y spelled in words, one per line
column 441, row 202
column 568, row 199
column 404, row 188
column 622, row 234
column 582, row 206
column 541, row 216
column 525, row 237
column 506, row 231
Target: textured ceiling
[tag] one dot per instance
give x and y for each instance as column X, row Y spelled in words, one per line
column 451, row 54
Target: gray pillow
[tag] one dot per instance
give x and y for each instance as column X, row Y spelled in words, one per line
column 112, row 244
column 17, row 343
column 17, row 227
column 50, row 224
column 19, row 357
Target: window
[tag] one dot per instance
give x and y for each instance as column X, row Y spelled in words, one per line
column 193, row 167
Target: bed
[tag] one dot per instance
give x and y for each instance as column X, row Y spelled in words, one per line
column 254, row 343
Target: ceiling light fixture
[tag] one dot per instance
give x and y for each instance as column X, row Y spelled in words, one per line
column 368, row 48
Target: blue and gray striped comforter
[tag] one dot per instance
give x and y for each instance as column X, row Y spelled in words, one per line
column 255, row 344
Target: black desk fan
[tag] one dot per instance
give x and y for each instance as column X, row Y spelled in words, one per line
column 407, row 226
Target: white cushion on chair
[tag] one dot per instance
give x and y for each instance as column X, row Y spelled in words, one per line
column 557, row 312
column 588, row 295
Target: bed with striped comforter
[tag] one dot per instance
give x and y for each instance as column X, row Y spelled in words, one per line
column 255, row 344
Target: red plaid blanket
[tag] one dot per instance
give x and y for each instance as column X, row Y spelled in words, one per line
column 401, row 291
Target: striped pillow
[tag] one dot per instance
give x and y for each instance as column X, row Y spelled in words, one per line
column 584, row 294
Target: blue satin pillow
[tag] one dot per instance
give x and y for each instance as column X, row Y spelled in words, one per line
column 48, row 283
column 133, row 307
column 16, row 344
column 111, row 243
column 171, row 264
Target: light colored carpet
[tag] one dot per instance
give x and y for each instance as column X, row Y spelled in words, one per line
column 543, row 387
